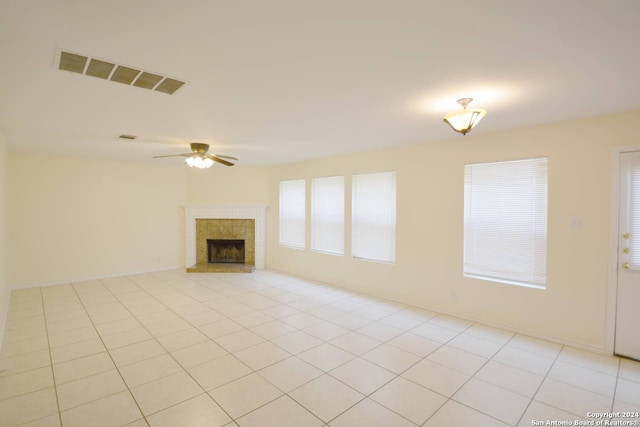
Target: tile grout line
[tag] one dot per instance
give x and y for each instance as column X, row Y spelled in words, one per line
column 546, row 375
column 108, row 353
column 170, row 355
column 368, row 396
column 167, row 352
column 30, row 369
column 450, row 398
column 260, row 375
column 356, row 356
column 399, row 375
column 53, row 375
column 291, row 355
column 530, row 398
column 615, row 387
column 383, row 342
column 306, row 294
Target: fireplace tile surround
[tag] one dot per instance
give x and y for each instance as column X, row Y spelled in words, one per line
column 224, row 222
column 236, row 229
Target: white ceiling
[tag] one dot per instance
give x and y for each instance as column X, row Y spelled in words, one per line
column 273, row 81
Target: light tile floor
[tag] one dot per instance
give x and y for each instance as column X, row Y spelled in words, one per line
column 268, row 349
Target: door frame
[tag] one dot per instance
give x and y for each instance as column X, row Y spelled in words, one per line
column 612, row 287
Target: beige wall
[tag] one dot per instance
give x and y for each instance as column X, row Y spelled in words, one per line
column 220, row 185
column 4, row 244
column 73, row 219
column 430, row 228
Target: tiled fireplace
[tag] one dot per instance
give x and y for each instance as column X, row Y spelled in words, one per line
column 224, row 238
column 226, row 251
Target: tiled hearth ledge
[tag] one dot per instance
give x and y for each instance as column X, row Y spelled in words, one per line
column 193, row 212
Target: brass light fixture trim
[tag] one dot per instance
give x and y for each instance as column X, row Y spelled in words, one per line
column 464, row 120
column 108, row 70
column 201, row 158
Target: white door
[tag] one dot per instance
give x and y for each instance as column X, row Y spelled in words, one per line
column 627, row 342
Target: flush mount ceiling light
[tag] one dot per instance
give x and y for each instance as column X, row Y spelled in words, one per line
column 464, row 120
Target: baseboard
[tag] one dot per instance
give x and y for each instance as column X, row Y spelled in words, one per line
column 4, row 321
column 86, row 279
column 508, row 328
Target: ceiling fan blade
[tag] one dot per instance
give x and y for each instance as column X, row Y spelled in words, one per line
column 219, row 160
column 226, row 157
column 175, row 155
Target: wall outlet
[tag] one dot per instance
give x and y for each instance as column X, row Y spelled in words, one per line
column 577, row 222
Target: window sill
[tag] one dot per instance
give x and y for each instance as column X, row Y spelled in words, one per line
column 505, row 281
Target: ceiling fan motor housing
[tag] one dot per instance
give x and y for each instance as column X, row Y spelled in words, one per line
column 199, row 148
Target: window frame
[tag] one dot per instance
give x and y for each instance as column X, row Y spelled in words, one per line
column 527, row 228
column 282, row 223
column 320, row 208
column 359, row 222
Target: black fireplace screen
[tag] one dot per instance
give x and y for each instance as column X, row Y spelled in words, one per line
column 225, row 251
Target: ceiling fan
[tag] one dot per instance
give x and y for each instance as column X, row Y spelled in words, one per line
column 200, row 158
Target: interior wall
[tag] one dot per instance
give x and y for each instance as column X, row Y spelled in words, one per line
column 73, row 219
column 220, row 185
column 430, row 201
column 5, row 289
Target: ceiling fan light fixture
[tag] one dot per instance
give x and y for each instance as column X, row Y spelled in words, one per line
column 201, row 158
column 464, row 120
column 199, row 162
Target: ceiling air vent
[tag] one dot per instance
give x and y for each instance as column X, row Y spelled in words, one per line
column 125, row 75
column 169, row 85
column 147, row 80
column 83, row 64
column 72, row 62
column 99, row 69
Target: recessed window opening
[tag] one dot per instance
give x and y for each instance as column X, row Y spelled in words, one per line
column 327, row 215
column 373, row 235
column 505, row 222
column 292, row 213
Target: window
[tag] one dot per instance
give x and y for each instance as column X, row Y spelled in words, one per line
column 633, row 215
column 292, row 213
column 505, row 221
column 374, row 216
column 327, row 214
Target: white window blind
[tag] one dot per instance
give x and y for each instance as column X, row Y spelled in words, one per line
column 505, row 221
column 327, row 214
column 374, row 216
column 634, row 216
column 292, row 213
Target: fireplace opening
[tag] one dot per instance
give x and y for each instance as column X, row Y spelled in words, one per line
column 225, row 251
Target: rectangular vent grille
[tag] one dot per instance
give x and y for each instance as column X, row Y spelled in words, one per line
column 125, row 75
column 147, row 80
column 99, row 69
column 88, row 66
